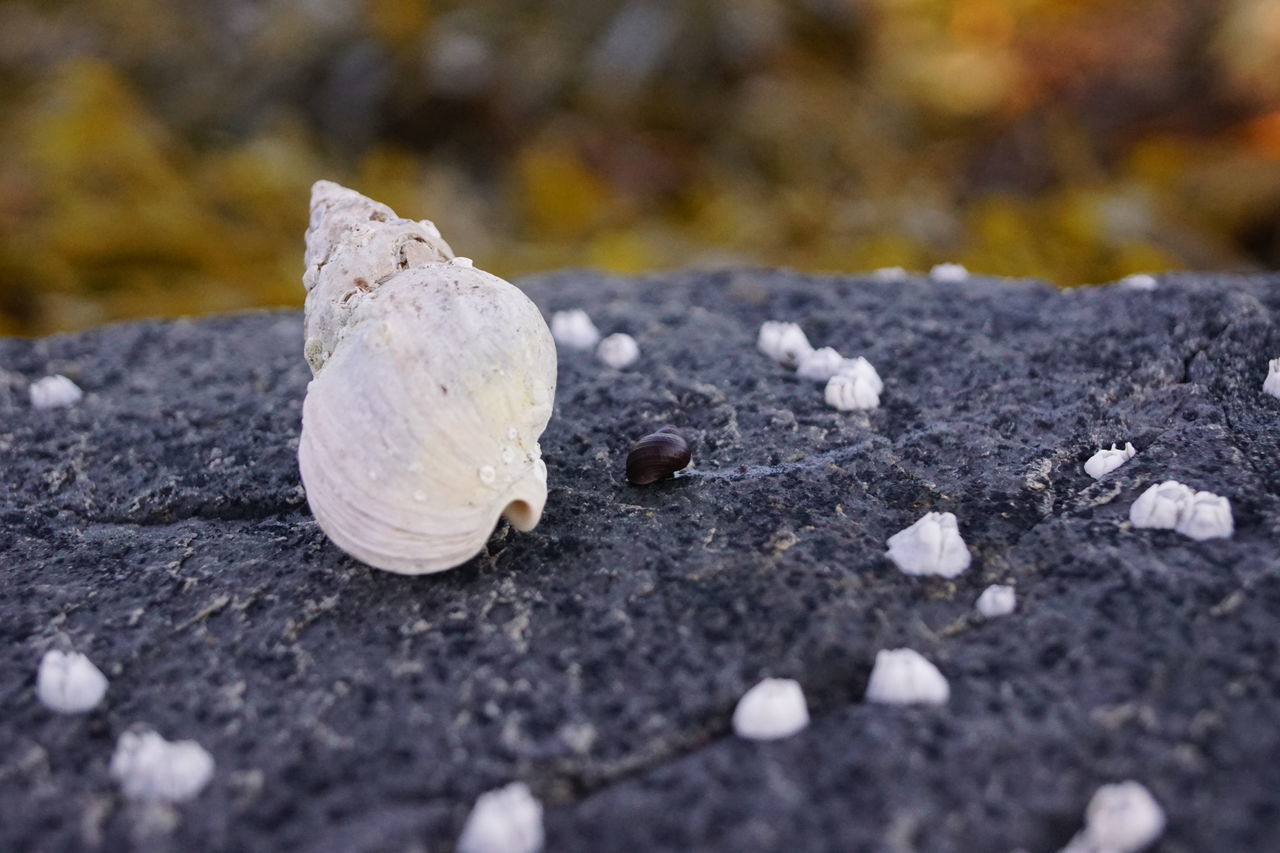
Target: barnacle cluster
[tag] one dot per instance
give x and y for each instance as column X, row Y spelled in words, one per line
column 851, row 383
column 573, row 329
column 1172, row 506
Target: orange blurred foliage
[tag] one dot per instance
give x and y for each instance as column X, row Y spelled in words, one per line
column 156, row 155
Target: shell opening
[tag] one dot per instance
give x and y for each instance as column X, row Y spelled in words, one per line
column 522, row 515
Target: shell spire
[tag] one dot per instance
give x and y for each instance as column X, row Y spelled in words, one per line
column 355, row 245
column 433, row 381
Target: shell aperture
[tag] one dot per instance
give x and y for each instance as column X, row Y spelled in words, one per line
column 432, row 383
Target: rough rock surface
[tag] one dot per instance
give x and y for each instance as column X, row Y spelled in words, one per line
column 159, row 526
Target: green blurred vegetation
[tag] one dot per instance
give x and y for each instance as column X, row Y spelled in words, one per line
column 156, row 155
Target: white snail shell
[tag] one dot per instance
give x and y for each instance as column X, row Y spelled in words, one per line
column 432, row 382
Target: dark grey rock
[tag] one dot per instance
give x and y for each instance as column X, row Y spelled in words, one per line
column 160, row 527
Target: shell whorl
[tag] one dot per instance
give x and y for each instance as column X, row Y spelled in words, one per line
column 430, row 390
column 354, row 246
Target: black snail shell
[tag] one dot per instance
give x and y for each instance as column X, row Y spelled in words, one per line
column 657, row 456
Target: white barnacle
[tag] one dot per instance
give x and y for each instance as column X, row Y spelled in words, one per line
column 69, row 683
column 785, row 343
column 506, row 820
column 1120, row 818
column 1139, row 281
column 825, row 363
column 574, row 329
column 931, row 546
column 774, row 708
column 996, row 600
column 1161, row 505
column 850, row 391
column 441, row 362
column 1271, row 385
column 905, row 677
column 820, row 364
column 949, row 273
column 1172, row 506
column 148, row 767
column 54, row 392
column 1206, row 516
column 618, row 350
column 860, row 367
column 889, row 274
column 1105, row 461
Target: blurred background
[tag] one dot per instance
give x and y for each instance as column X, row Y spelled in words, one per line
column 156, row 155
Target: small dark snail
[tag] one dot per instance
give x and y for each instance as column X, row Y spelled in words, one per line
column 656, row 457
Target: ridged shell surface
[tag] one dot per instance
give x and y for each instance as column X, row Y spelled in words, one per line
column 433, row 382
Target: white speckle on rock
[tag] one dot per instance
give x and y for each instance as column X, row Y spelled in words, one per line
column 513, row 433
column 848, row 392
column 487, row 474
column 574, row 329
column 905, row 677
column 1271, row 385
column 1105, row 461
column 508, row 455
column 949, row 273
column 618, row 350
column 53, row 392
column 785, row 343
column 997, row 600
column 148, row 767
column 819, row 364
column 507, row 820
column 889, row 274
column 1172, row 506
column 774, row 708
column 1139, row 281
column 69, row 683
column 1206, row 516
column 1120, row 818
column 461, row 261
column 931, row 546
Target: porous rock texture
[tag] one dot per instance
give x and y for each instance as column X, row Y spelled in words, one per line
column 159, row 527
